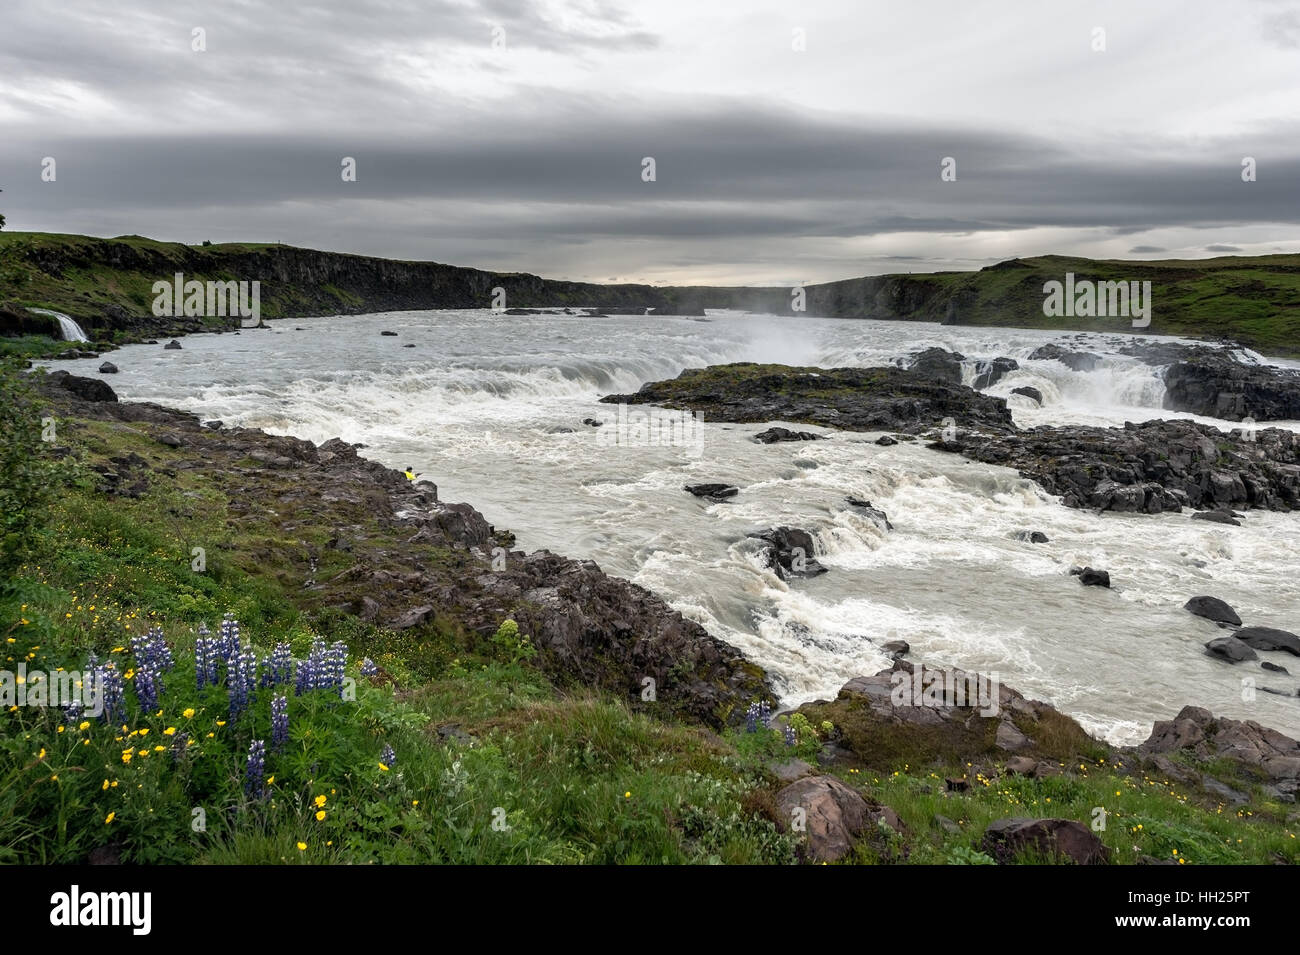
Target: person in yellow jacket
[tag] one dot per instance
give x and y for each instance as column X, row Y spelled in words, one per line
column 410, row 474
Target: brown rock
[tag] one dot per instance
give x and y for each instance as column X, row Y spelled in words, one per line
column 1050, row 837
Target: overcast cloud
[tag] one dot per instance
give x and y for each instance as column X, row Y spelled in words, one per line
column 510, row 134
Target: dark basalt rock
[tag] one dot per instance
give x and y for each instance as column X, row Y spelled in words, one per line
column 172, row 345
column 1091, row 578
column 871, row 511
column 773, row 435
column 388, row 334
column 1027, row 392
column 1212, row 608
column 885, row 441
column 789, row 552
column 1275, row 668
column 1212, row 382
column 87, row 389
column 1076, row 361
column 717, row 493
column 948, row 366
column 1266, row 638
column 1217, row 517
column 857, row 399
column 1230, row 649
column 108, row 368
column 1032, row 537
column 1151, row 467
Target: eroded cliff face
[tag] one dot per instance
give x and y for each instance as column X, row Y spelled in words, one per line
column 106, row 284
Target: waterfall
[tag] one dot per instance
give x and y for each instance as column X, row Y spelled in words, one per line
column 69, row 330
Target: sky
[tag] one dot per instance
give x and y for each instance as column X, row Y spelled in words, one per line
column 791, row 141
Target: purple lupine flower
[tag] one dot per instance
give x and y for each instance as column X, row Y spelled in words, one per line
column 241, row 680
column 304, row 678
column 255, row 771
column 751, row 718
column 228, row 644
column 280, row 670
column 337, row 661
column 112, row 690
column 179, row 743
column 146, row 688
column 765, row 714
column 279, row 723
column 72, row 713
column 368, row 667
column 388, row 757
column 791, row 738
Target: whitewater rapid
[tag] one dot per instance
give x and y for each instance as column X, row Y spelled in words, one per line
column 483, row 404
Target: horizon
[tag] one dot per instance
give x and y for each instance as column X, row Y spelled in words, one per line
column 525, row 271
column 790, row 145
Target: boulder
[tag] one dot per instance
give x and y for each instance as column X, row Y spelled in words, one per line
column 1266, row 638
column 1230, row 649
column 1092, row 578
column 773, row 435
column 789, row 551
column 1212, row 608
column 1217, row 517
column 885, row 441
column 832, row 815
column 87, row 389
column 1032, row 537
column 717, row 493
column 388, row 334
column 172, row 345
column 108, row 368
column 1053, row 838
column 1033, row 394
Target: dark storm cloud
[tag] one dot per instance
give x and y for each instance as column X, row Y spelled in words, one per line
column 729, row 173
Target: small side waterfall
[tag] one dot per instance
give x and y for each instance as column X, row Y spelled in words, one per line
column 69, row 330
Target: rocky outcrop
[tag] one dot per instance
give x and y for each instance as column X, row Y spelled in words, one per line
column 858, row 399
column 1150, row 467
column 1260, row 753
column 947, row 366
column 1074, row 360
column 1212, row 382
column 86, row 389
